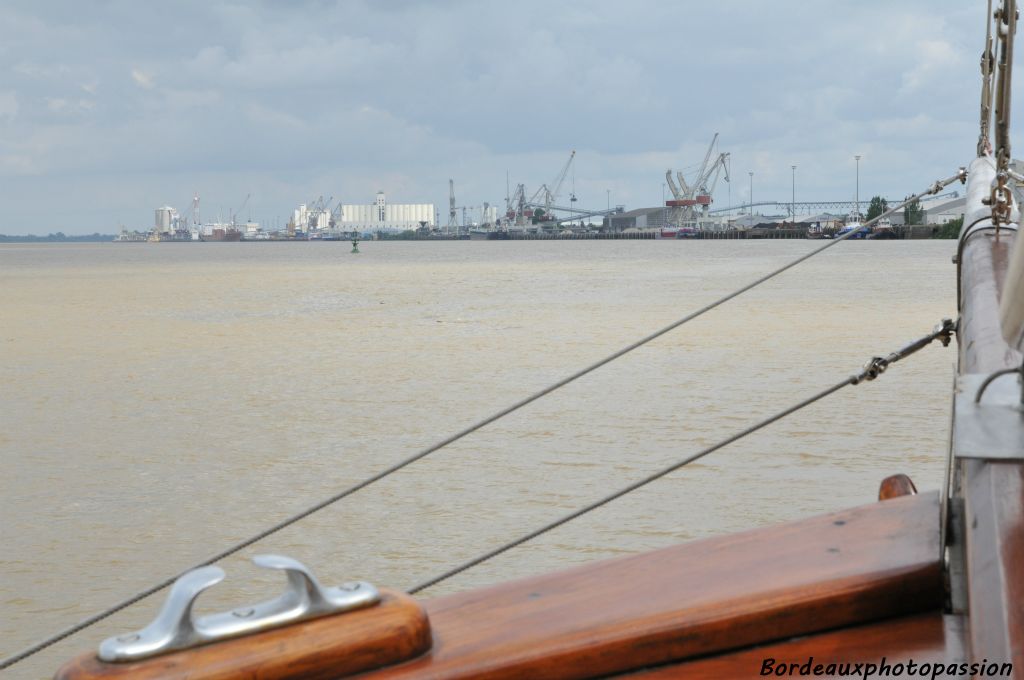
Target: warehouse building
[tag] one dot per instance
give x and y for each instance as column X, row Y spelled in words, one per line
column 642, row 218
column 940, row 211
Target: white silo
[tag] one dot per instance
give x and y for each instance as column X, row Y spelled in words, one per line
column 164, row 218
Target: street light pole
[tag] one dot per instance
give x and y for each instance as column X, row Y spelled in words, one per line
column 792, row 204
column 857, row 195
column 751, row 173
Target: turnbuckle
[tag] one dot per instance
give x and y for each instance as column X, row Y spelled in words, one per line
column 875, row 366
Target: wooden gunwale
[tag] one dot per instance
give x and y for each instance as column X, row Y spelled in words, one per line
column 319, row 649
column 928, row 638
column 867, row 563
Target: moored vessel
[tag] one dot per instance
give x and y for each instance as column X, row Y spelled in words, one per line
column 222, row 234
column 883, row 230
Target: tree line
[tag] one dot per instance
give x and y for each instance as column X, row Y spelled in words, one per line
column 58, row 237
column 913, row 213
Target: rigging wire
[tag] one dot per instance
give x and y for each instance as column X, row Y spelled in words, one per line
column 871, row 370
column 988, row 381
column 1001, row 199
column 987, row 63
column 127, row 602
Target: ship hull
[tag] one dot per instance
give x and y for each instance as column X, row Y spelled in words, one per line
column 222, row 235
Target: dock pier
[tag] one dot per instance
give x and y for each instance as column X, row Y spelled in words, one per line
column 581, row 236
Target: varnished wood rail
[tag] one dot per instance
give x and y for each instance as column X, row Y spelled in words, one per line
column 859, row 565
column 895, row 643
column 693, row 600
column 320, row 649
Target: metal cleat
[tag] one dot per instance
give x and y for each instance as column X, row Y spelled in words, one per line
column 175, row 627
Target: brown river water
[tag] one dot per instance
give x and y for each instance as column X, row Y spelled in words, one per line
column 162, row 401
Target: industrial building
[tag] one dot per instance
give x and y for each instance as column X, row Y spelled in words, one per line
column 940, row 211
column 166, row 219
column 936, row 210
column 383, row 216
column 642, row 218
column 311, row 218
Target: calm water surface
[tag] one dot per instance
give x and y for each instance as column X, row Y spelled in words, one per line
column 161, row 401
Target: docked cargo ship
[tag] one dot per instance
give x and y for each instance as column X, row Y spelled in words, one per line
column 218, row 234
column 130, row 236
column 483, row 234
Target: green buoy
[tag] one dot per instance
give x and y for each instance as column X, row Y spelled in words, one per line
column 355, row 245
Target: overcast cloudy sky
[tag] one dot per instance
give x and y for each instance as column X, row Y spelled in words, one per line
column 110, row 109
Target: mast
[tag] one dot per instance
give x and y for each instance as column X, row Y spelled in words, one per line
column 983, row 503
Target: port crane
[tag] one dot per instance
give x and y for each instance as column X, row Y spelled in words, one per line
column 453, row 211
column 689, row 197
column 451, row 206
column 515, row 206
column 317, row 212
column 541, row 206
column 544, row 198
column 234, row 215
column 191, row 220
column 335, row 216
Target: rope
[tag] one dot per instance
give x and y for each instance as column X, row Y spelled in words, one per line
column 871, row 370
column 11, row 660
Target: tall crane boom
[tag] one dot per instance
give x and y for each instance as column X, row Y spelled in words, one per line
column 547, row 194
column 672, row 184
column 451, row 203
column 234, row 215
column 690, row 197
column 335, row 216
column 721, row 163
column 552, row 195
column 515, row 211
column 701, row 174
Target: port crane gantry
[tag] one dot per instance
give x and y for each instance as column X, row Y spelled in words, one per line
column 453, row 211
column 234, row 215
column 319, row 212
column 191, row 221
column 515, row 206
column 544, row 198
column 451, row 205
column 689, row 197
column 335, row 216
column 540, row 208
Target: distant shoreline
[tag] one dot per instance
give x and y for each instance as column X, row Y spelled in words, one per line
column 56, row 238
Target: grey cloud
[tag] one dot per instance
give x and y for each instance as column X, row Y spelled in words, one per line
column 128, row 105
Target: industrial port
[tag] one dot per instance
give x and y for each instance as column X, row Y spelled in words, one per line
column 549, row 211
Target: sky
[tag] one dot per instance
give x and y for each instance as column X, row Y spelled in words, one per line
column 109, row 110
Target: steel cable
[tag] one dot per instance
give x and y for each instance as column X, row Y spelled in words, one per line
column 987, row 61
column 71, row 630
column 871, row 370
